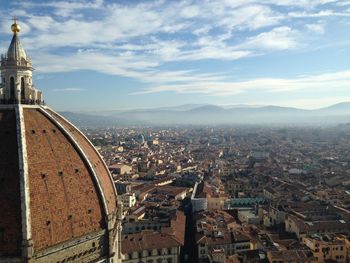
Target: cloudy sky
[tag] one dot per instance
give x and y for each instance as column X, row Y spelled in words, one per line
column 103, row 54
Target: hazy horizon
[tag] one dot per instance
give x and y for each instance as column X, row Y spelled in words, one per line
column 195, row 105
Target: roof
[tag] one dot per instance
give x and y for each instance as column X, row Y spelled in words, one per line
column 10, row 205
column 94, row 157
column 290, row 255
column 147, row 240
column 173, row 236
column 15, row 50
column 70, row 193
column 326, row 225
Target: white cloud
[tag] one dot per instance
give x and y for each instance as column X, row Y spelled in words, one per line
column 316, row 83
column 136, row 39
column 251, row 17
column 277, row 39
column 322, row 13
column 124, row 65
column 317, row 28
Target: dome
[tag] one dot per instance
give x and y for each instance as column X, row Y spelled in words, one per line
column 58, row 200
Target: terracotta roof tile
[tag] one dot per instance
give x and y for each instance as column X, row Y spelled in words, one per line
column 101, row 170
column 63, row 199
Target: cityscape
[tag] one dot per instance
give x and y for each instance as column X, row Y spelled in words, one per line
column 199, row 161
column 250, row 194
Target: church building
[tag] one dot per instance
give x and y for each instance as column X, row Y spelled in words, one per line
column 58, row 202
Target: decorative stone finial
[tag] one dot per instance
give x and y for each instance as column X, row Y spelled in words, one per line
column 15, row 27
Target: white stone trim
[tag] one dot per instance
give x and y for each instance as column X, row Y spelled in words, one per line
column 82, row 154
column 82, row 134
column 31, row 106
column 23, row 176
column 69, row 244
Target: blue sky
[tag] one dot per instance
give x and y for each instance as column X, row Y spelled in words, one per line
column 103, row 55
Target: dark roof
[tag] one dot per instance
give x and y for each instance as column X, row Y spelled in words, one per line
column 10, row 204
column 173, row 236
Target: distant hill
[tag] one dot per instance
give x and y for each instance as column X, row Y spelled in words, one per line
column 344, row 106
column 207, row 109
column 199, row 114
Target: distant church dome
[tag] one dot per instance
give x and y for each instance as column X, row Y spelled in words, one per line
column 58, row 201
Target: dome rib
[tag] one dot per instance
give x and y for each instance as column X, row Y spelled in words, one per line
column 23, row 181
column 99, row 165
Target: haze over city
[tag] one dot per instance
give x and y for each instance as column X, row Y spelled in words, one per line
column 108, row 55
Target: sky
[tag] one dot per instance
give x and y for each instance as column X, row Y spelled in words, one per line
column 97, row 55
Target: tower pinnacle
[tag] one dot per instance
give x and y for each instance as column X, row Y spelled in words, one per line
column 16, row 74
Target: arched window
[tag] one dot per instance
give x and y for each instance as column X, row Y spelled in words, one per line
column 22, row 89
column 12, row 88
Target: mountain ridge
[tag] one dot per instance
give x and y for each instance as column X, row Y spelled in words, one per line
column 208, row 114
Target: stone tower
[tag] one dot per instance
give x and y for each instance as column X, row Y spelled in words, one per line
column 16, row 74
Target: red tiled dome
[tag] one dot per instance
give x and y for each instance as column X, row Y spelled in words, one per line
column 55, row 190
